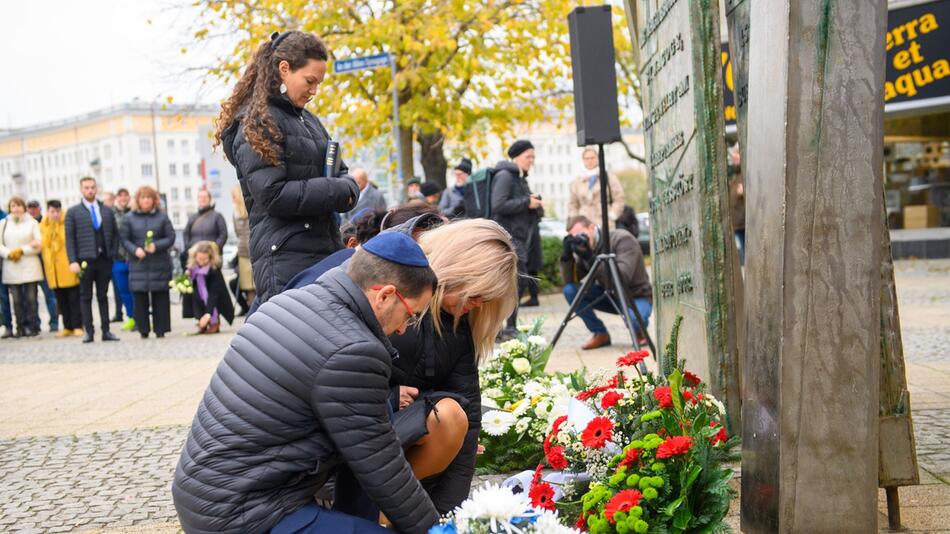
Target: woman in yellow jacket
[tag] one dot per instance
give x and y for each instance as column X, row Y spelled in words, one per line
column 56, row 265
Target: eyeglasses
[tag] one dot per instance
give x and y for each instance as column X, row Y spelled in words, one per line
column 414, row 318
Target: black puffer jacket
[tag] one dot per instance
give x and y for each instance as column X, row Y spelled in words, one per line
column 302, row 388
column 428, row 361
column 154, row 271
column 291, row 206
column 510, row 196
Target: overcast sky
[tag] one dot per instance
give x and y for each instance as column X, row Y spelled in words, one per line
column 66, row 57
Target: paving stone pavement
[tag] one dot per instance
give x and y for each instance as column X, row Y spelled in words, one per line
column 57, row 477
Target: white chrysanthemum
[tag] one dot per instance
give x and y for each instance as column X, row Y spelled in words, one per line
column 719, row 406
column 548, row 523
column 493, row 504
column 525, row 328
column 541, row 410
column 522, row 424
column 522, row 408
column 521, row 365
column 558, row 389
column 497, row 422
column 488, row 402
column 537, row 341
column 533, row 389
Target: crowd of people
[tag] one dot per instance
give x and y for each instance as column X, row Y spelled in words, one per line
column 349, row 399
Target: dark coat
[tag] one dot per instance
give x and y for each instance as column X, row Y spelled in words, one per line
column 302, row 389
column 510, row 196
column 218, row 298
column 430, row 362
column 81, row 236
column 292, row 206
column 206, row 225
column 154, row 271
column 630, row 263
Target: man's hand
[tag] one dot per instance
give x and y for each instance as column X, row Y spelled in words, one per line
column 139, row 253
column 75, row 268
column 568, row 244
column 535, row 203
column 150, row 248
column 35, row 244
column 407, row 395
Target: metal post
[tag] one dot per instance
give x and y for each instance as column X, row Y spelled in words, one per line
column 155, row 148
column 392, row 191
column 893, row 508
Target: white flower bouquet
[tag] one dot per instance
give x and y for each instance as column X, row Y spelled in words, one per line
column 182, row 283
column 495, row 510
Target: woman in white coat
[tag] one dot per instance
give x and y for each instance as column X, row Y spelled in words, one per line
column 20, row 242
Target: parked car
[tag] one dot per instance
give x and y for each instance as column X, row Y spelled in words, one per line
column 552, row 228
column 643, row 219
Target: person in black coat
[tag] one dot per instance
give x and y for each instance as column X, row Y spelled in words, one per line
column 92, row 237
column 302, row 393
column 147, row 234
column 477, row 267
column 518, row 211
column 279, row 151
column 209, row 301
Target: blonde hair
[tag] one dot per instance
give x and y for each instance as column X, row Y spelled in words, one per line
column 237, row 198
column 475, row 258
column 208, row 247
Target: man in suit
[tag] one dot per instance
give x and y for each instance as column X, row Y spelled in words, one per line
column 92, row 238
column 371, row 199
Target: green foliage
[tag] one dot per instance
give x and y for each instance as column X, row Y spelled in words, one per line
column 550, row 275
column 636, row 188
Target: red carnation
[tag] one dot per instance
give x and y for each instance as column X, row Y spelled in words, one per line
column 629, row 457
column 598, row 433
column 621, row 502
column 537, row 474
column 556, row 457
column 610, row 398
column 632, row 358
column 688, row 396
column 555, row 428
column 720, row 436
column 542, row 496
column 674, row 446
column 690, row 379
column 664, row 395
column 581, row 523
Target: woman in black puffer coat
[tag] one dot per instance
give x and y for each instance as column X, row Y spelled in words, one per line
column 147, row 234
column 279, row 151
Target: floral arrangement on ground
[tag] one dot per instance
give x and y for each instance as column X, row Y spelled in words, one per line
column 520, row 402
column 495, row 510
column 646, row 453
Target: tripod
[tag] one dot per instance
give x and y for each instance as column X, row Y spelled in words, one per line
column 616, row 292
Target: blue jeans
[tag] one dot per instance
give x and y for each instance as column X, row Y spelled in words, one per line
column 120, row 278
column 50, row 298
column 5, row 309
column 595, row 325
column 740, row 244
column 314, row 519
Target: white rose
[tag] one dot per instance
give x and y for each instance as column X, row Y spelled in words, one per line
column 521, row 365
column 538, row 341
column 541, row 410
column 533, row 388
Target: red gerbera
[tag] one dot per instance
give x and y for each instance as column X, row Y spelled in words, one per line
column 629, row 457
column 720, row 436
column 556, row 459
column 584, row 395
column 542, row 496
column 622, row 502
column 632, row 358
column 688, row 396
column 610, row 398
column 690, row 379
column 664, row 395
column 537, row 474
column 674, row 446
column 555, row 428
column 598, row 432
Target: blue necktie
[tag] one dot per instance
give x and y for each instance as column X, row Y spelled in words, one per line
column 95, row 220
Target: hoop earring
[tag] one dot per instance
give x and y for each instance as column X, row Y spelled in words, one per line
column 283, row 88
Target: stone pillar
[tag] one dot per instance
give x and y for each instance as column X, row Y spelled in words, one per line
column 677, row 45
column 813, row 269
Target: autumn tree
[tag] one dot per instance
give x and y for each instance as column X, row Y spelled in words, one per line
column 465, row 68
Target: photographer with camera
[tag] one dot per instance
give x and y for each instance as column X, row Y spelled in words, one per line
column 581, row 246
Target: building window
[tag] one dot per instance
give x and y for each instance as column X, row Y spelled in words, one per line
column 146, row 170
column 187, row 193
column 176, row 217
column 186, row 169
column 172, row 169
column 107, row 151
column 171, row 145
column 174, row 193
column 184, row 146
column 145, row 145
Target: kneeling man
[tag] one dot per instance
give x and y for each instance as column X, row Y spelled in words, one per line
column 302, row 392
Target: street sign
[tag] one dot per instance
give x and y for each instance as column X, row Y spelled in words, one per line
column 361, row 63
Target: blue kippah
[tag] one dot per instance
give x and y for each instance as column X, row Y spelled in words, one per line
column 397, row 247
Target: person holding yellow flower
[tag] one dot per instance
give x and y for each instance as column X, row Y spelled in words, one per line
column 60, row 278
column 22, row 271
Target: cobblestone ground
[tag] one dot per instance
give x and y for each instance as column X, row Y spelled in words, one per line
column 54, row 480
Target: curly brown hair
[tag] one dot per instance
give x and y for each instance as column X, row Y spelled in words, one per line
column 261, row 80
